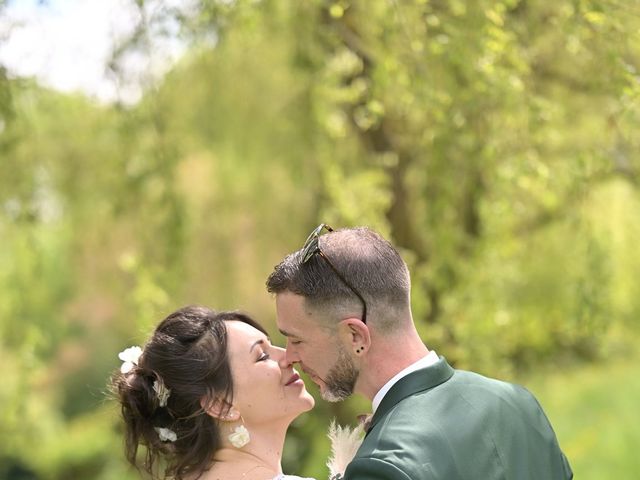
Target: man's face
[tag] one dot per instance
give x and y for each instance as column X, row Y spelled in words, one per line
column 318, row 351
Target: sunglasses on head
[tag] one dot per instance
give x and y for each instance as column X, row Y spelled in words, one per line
column 312, row 247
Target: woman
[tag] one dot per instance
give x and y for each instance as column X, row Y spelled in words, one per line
column 209, row 397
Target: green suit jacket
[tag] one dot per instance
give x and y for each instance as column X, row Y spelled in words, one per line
column 438, row 423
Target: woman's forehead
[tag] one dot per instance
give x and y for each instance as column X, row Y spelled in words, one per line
column 243, row 333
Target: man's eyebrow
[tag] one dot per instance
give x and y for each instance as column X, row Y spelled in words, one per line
column 286, row 334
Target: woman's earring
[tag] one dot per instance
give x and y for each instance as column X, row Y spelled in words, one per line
column 239, row 437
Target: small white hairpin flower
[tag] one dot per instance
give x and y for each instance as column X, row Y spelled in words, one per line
column 129, row 357
column 240, row 436
column 166, row 434
column 162, row 392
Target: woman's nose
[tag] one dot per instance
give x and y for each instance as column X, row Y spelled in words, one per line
column 279, row 354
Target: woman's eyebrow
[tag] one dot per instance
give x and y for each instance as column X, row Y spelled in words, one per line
column 256, row 343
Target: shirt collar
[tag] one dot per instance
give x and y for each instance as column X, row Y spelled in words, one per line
column 424, row 362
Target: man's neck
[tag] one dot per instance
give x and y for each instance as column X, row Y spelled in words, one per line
column 386, row 359
column 424, row 362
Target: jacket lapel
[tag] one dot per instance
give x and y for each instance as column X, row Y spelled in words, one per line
column 418, row 381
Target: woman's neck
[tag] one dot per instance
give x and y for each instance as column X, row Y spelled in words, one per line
column 260, row 459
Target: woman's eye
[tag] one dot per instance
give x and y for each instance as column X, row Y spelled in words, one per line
column 263, row 357
column 295, row 342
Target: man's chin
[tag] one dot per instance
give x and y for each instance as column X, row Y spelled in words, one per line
column 319, row 383
column 330, row 396
column 326, row 394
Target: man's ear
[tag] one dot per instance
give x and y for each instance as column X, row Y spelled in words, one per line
column 354, row 335
column 219, row 409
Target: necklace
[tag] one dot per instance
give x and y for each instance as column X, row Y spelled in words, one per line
column 254, row 468
column 246, row 473
column 236, row 465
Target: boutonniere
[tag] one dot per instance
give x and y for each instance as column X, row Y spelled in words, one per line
column 345, row 442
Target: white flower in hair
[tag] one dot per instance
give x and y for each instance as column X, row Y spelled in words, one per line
column 166, row 434
column 129, row 357
column 240, row 436
column 162, row 392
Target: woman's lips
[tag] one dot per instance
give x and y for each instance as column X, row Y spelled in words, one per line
column 295, row 378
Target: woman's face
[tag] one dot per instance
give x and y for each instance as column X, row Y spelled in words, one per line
column 265, row 387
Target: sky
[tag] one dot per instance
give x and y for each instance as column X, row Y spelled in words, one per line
column 66, row 44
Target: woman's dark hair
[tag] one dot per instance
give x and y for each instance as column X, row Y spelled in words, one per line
column 188, row 353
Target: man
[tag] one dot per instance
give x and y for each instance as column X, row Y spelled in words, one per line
column 343, row 302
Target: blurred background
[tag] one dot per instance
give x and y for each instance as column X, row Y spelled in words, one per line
column 161, row 153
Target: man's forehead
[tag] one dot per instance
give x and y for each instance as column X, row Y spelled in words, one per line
column 294, row 317
column 290, row 308
column 297, row 326
column 291, row 326
column 305, row 330
column 290, row 300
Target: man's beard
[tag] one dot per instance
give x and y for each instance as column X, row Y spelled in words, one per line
column 341, row 379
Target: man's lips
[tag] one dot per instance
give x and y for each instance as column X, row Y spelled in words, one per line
column 294, row 378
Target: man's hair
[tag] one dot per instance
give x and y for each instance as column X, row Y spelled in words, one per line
column 366, row 260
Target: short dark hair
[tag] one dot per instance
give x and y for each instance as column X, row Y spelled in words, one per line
column 188, row 352
column 368, row 261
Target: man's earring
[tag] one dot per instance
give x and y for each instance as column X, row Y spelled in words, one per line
column 239, row 437
column 359, row 350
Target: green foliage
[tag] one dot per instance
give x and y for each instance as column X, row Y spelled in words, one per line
column 595, row 410
column 493, row 141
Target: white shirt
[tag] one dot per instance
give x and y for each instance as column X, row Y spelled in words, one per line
column 424, row 362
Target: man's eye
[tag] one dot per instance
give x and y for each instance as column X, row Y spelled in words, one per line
column 263, row 357
column 295, row 342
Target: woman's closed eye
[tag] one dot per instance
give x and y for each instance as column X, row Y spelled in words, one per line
column 264, row 356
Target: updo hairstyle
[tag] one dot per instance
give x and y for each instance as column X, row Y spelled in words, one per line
column 188, row 354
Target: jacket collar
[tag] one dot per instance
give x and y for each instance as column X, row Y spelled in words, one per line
column 418, row 381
